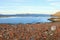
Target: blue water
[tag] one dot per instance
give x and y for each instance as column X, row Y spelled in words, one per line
column 24, row 20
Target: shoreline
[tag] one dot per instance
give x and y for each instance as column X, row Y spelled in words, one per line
column 29, row 23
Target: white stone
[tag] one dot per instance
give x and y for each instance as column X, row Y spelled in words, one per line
column 53, row 28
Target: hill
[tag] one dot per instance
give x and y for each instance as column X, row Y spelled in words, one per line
column 57, row 14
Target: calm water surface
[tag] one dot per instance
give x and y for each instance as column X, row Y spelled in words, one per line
column 24, row 20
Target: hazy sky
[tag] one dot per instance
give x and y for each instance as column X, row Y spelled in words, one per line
column 29, row 6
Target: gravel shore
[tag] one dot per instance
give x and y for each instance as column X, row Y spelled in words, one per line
column 38, row 31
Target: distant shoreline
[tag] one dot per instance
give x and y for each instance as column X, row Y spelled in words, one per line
column 24, row 15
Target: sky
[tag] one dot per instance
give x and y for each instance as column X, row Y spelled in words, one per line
column 29, row 6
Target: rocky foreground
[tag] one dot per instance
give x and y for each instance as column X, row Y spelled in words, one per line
column 40, row 31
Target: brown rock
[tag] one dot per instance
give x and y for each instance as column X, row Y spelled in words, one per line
column 57, row 14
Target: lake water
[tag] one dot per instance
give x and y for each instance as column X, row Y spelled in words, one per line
column 25, row 19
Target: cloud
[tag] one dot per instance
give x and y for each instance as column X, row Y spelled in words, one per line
column 54, row 2
column 16, row 1
column 57, row 4
column 26, row 9
column 50, row 0
column 30, row 12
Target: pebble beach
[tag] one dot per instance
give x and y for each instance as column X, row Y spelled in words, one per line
column 38, row 31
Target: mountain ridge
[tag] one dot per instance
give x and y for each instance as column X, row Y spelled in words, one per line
column 2, row 15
